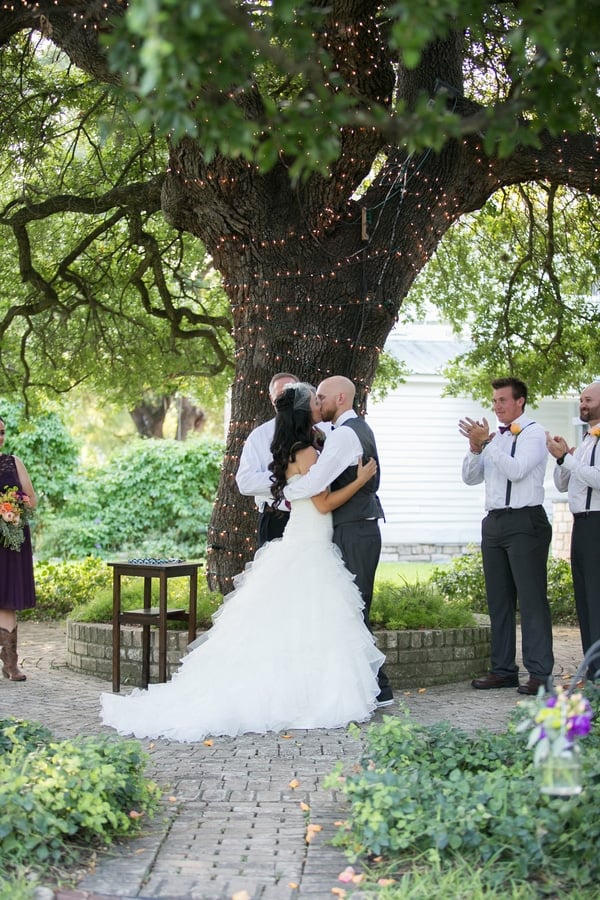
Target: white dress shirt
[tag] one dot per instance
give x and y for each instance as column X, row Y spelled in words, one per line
column 576, row 475
column 342, row 449
column 253, row 476
column 525, row 470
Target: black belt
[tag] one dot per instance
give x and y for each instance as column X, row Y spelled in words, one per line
column 510, row 509
column 588, row 512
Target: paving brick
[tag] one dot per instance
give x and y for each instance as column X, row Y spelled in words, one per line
column 235, row 824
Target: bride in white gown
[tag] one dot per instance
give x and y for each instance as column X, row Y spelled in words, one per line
column 288, row 647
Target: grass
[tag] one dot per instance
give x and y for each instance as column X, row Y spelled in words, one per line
column 409, row 572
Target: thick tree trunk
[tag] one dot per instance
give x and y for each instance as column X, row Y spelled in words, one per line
column 149, row 415
column 189, row 418
column 346, row 342
column 314, row 291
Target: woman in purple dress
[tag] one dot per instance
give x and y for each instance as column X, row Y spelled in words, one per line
column 17, row 590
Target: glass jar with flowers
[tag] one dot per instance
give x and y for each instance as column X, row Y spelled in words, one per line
column 556, row 720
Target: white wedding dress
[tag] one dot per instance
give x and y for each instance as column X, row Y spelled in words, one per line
column 288, row 649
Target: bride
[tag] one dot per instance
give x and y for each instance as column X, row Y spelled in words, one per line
column 288, row 647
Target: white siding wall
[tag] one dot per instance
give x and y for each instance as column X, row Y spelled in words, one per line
column 421, row 453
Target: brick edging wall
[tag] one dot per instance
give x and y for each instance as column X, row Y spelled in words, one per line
column 413, row 658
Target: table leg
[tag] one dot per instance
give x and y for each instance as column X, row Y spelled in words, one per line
column 116, row 635
column 146, row 634
column 162, row 629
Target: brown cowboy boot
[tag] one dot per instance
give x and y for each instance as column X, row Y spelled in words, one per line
column 8, row 655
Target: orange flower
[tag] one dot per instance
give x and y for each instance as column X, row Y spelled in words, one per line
column 515, row 428
column 595, row 431
column 15, row 512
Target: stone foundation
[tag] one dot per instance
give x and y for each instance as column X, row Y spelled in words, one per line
column 562, row 525
column 414, row 658
column 437, row 553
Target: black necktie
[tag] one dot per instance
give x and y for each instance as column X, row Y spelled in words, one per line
column 503, row 428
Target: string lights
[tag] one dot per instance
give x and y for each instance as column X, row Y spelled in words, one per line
column 351, row 260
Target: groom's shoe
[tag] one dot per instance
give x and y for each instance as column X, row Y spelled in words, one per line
column 491, row 680
column 385, row 697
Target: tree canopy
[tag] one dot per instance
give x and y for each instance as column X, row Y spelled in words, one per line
column 98, row 288
column 271, row 77
column 519, row 280
column 319, row 152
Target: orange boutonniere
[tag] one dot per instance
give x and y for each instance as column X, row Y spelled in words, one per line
column 595, row 431
column 515, row 429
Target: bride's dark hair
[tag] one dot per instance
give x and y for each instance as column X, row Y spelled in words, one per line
column 293, row 431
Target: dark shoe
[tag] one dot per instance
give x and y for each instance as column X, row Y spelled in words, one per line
column 385, row 697
column 532, row 686
column 491, row 680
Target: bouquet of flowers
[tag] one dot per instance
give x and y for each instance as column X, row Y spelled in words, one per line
column 15, row 514
column 557, row 720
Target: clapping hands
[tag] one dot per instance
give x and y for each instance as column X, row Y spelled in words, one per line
column 478, row 433
column 557, row 446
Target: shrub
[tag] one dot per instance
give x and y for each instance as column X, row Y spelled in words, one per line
column 99, row 607
column 154, row 499
column 23, row 735
column 53, row 793
column 436, row 794
column 463, row 579
column 62, row 586
column 401, row 605
column 560, row 592
column 48, row 451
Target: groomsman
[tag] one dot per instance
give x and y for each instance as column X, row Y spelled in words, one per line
column 515, row 536
column 578, row 473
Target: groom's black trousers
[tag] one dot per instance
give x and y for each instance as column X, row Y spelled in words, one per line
column 360, row 546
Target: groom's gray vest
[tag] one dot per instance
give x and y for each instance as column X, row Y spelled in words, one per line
column 365, row 503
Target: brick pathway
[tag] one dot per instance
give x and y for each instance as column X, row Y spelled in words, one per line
column 230, row 821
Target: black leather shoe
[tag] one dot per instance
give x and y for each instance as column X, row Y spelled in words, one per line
column 491, row 680
column 532, row 686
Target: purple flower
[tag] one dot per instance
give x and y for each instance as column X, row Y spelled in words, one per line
column 579, row 726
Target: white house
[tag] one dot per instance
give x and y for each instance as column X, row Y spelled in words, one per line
column 430, row 513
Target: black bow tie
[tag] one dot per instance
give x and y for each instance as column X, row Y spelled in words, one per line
column 503, row 428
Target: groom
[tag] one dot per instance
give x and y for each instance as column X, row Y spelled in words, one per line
column 355, row 527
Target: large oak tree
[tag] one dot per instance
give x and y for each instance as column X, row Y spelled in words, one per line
column 321, row 151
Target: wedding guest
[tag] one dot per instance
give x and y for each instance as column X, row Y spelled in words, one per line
column 17, row 589
column 515, row 536
column 578, row 473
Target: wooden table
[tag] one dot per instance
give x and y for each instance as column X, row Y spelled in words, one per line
column 149, row 615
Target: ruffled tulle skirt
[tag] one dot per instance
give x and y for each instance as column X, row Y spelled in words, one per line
column 288, row 649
